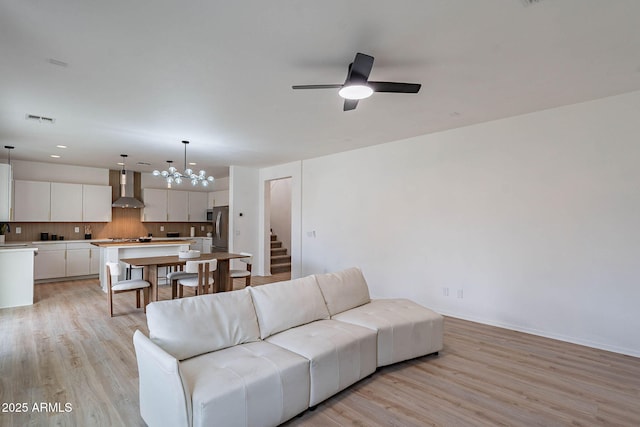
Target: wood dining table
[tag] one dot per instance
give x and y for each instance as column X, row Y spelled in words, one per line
column 151, row 264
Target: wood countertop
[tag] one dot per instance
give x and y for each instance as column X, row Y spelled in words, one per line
column 154, row 242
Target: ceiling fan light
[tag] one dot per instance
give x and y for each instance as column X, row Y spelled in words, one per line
column 355, row 92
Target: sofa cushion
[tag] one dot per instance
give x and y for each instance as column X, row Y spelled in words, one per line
column 254, row 384
column 405, row 329
column 340, row 354
column 188, row 327
column 288, row 304
column 343, row 290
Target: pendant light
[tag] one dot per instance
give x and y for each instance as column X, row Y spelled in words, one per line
column 173, row 175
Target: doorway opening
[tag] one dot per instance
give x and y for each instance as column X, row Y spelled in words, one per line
column 279, row 220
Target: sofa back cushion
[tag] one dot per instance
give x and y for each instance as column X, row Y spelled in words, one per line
column 188, row 327
column 284, row 305
column 343, row 290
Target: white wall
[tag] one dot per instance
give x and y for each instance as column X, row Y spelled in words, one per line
column 281, row 210
column 38, row 171
column 243, row 210
column 532, row 220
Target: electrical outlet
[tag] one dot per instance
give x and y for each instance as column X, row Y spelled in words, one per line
column 460, row 294
column 76, row 230
column 445, row 292
column 18, row 230
column 202, row 228
column 162, row 228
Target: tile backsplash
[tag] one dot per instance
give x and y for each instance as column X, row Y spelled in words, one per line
column 125, row 223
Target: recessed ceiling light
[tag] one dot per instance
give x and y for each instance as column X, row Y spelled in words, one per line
column 120, row 164
column 192, row 163
column 55, row 156
column 61, row 146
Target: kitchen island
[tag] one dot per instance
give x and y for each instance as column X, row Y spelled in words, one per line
column 16, row 275
column 114, row 251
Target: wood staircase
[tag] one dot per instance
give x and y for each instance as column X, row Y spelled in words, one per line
column 280, row 261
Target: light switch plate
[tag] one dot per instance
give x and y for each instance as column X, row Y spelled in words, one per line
column 18, row 230
column 76, row 229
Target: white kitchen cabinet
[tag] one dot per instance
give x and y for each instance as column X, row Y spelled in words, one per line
column 197, row 206
column 5, row 192
column 82, row 259
column 94, row 262
column 32, row 201
column 66, row 202
column 49, row 262
column 155, row 205
column 174, row 206
column 218, row 198
column 78, row 262
column 96, row 203
column 177, row 206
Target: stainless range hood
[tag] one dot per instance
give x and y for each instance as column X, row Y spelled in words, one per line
column 126, row 199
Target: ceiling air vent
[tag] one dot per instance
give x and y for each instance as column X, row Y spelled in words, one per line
column 40, row 119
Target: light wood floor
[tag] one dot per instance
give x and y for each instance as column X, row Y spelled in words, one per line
column 65, row 349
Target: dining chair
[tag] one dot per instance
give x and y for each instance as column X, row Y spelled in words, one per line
column 174, row 276
column 203, row 270
column 246, row 273
column 115, row 287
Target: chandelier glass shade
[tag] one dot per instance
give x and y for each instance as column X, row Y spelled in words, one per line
column 172, row 174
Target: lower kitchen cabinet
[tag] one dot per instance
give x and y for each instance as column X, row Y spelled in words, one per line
column 49, row 262
column 60, row 260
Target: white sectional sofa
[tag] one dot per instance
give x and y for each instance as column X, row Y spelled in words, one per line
column 261, row 355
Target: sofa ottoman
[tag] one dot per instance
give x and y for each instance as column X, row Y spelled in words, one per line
column 404, row 329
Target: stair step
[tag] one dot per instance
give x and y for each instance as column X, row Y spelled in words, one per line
column 275, row 244
column 281, row 268
column 280, row 259
column 278, row 251
column 274, row 237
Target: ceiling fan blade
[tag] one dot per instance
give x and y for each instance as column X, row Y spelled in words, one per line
column 350, row 104
column 335, row 86
column 360, row 69
column 394, row 87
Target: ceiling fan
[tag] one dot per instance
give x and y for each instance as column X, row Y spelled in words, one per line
column 357, row 86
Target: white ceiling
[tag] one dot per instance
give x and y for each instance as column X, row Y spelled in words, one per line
column 142, row 75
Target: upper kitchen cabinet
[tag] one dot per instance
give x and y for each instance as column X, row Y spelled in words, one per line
column 96, row 203
column 5, row 192
column 32, row 201
column 197, row 206
column 155, row 205
column 218, row 198
column 39, row 201
column 177, row 206
column 174, row 206
column 66, row 202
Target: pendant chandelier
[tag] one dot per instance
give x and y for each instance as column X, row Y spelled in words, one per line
column 172, row 174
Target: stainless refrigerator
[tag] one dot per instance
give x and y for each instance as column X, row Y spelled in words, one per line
column 220, row 220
